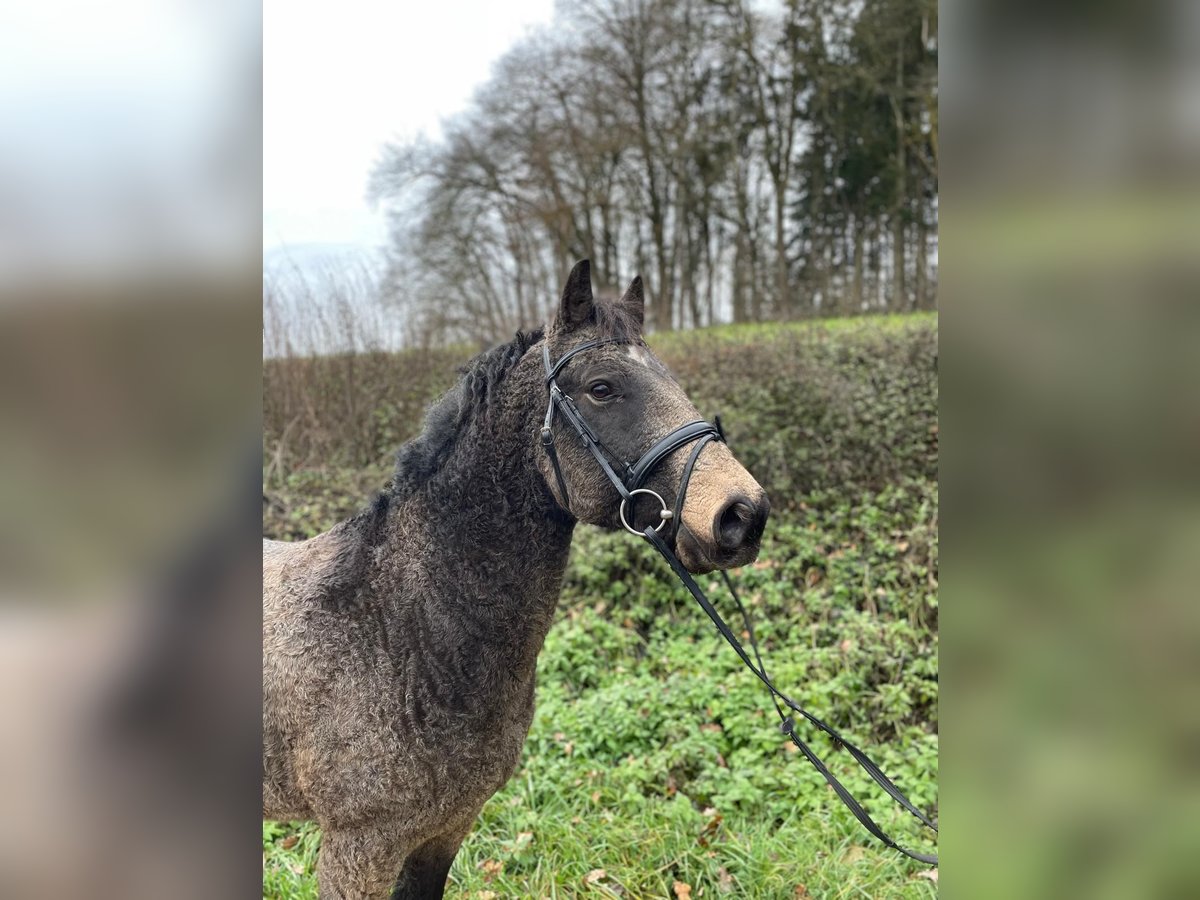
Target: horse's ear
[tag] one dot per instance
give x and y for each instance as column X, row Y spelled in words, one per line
column 575, row 308
column 634, row 301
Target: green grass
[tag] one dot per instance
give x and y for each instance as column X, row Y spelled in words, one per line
column 637, row 856
column 757, row 333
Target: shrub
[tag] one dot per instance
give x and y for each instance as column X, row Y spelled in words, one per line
column 809, row 408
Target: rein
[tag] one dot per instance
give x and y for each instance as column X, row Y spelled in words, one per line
column 629, row 485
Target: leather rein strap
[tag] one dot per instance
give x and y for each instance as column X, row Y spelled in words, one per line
column 630, row 484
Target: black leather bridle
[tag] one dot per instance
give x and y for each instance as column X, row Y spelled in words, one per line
column 629, row 485
column 633, row 475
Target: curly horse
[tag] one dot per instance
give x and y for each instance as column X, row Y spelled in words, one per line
column 400, row 647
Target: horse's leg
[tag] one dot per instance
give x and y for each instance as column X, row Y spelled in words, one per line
column 427, row 866
column 358, row 863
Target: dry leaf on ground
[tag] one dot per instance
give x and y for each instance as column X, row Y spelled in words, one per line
column 724, row 880
column 853, row 855
column 491, row 868
column 710, row 828
column 524, row 839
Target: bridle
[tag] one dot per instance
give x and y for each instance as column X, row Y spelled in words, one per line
column 629, row 485
column 634, row 474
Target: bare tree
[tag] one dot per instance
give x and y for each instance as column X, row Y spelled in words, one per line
column 749, row 164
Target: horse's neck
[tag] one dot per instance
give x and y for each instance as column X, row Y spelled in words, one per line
column 481, row 551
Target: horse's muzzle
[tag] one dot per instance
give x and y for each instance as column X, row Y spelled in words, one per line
column 734, row 537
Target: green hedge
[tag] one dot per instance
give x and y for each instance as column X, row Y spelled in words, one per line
column 819, row 409
column 834, row 407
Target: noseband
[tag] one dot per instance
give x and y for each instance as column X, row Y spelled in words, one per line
column 634, row 474
column 629, row 485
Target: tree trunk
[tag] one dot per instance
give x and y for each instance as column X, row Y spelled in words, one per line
column 920, row 287
column 856, row 295
column 783, row 300
column 739, row 283
column 899, row 295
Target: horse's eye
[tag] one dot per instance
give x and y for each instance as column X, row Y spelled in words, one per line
column 601, row 390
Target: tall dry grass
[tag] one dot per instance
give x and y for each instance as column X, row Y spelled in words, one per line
column 344, row 383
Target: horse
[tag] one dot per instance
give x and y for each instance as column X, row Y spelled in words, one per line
column 400, row 647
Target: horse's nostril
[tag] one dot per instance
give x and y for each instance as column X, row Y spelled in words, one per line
column 734, row 523
column 740, row 523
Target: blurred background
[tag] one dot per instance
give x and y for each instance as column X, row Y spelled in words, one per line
column 129, row 429
column 1070, row 277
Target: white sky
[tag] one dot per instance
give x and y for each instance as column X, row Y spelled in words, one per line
column 122, row 136
column 341, row 79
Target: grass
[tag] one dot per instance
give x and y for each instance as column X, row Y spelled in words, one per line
column 756, row 333
column 580, row 849
column 653, row 767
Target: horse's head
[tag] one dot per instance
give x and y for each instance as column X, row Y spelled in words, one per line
column 628, row 402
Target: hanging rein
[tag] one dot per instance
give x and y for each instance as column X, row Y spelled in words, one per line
column 629, row 485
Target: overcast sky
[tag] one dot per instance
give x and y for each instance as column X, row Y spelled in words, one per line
column 340, row 79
